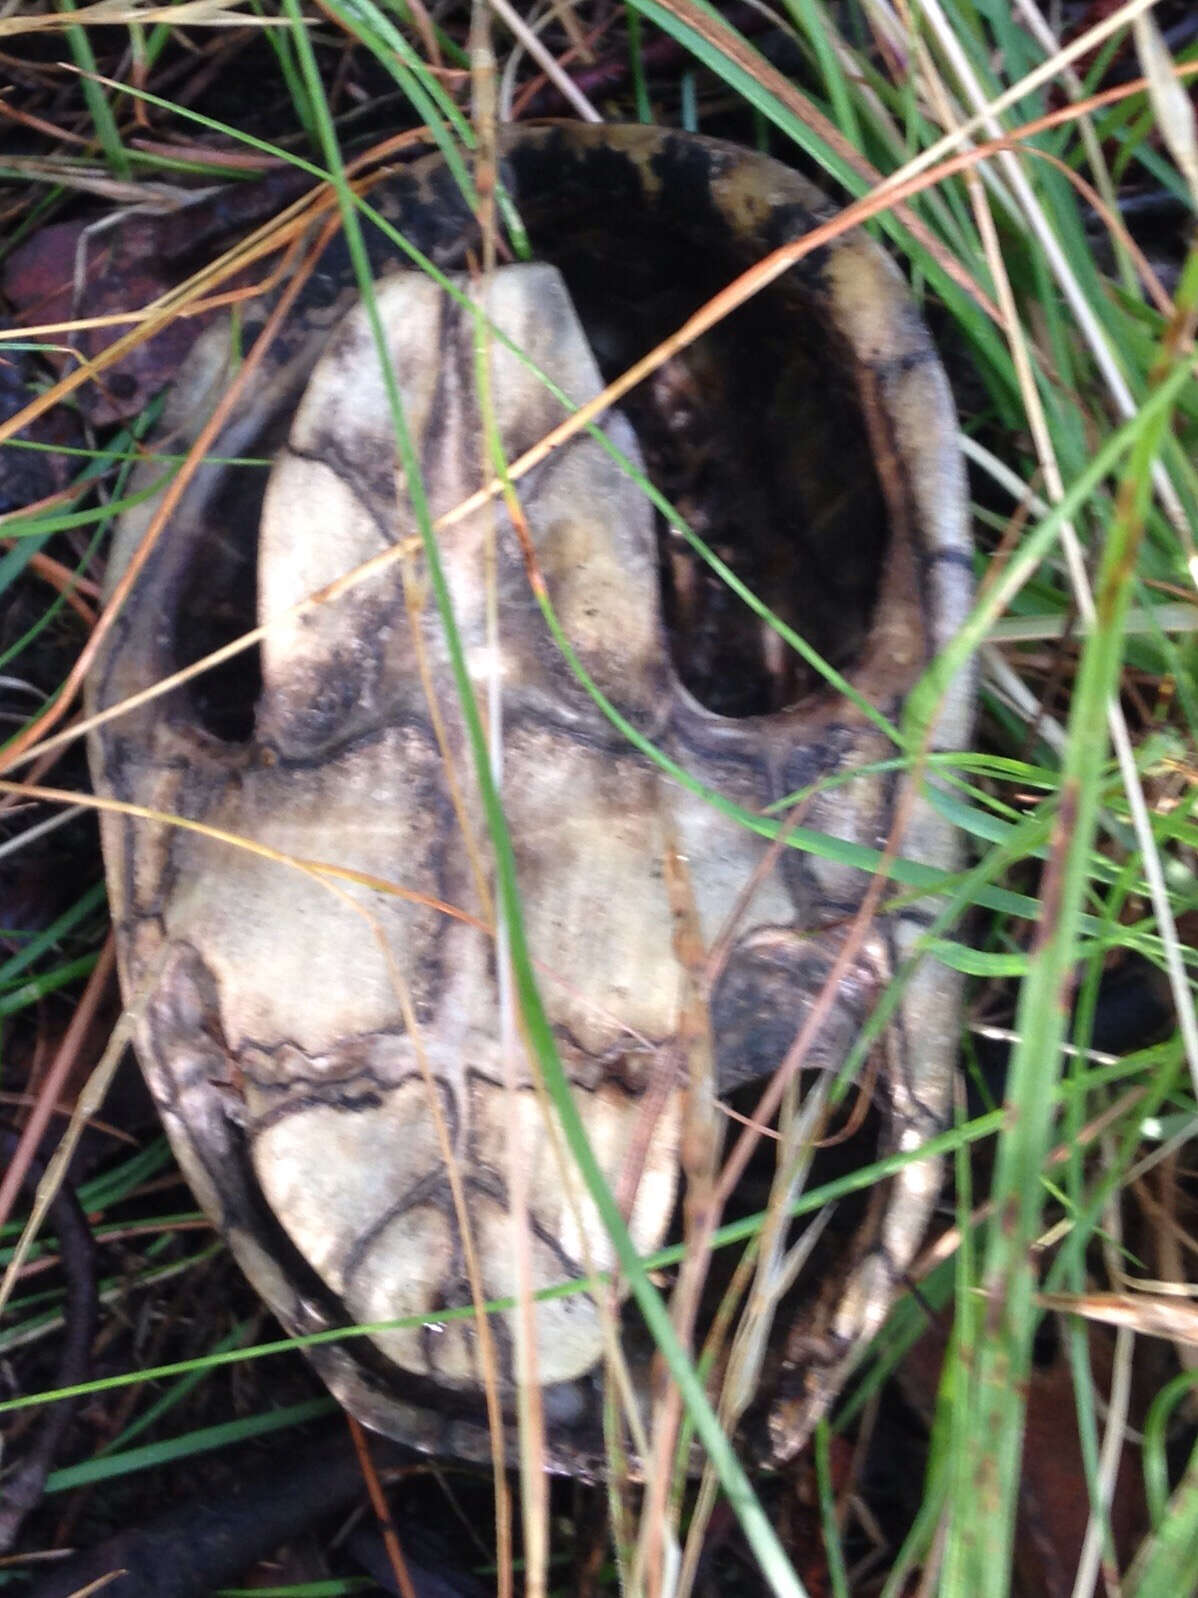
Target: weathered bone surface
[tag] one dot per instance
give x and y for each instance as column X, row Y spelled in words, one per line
column 328, row 1052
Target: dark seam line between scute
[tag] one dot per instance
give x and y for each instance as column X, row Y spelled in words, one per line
column 889, row 368
column 931, row 558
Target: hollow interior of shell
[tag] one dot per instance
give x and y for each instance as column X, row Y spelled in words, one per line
column 755, row 433
column 784, row 447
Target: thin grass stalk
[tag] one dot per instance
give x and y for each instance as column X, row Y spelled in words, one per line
column 97, row 104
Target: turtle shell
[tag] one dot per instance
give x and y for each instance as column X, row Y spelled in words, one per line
column 317, row 958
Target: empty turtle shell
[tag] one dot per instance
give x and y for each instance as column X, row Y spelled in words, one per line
column 326, row 1008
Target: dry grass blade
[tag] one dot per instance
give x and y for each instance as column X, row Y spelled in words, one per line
column 1174, row 109
column 1149, row 1315
column 123, row 13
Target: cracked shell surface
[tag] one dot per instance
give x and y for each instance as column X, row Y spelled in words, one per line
column 334, row 1055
